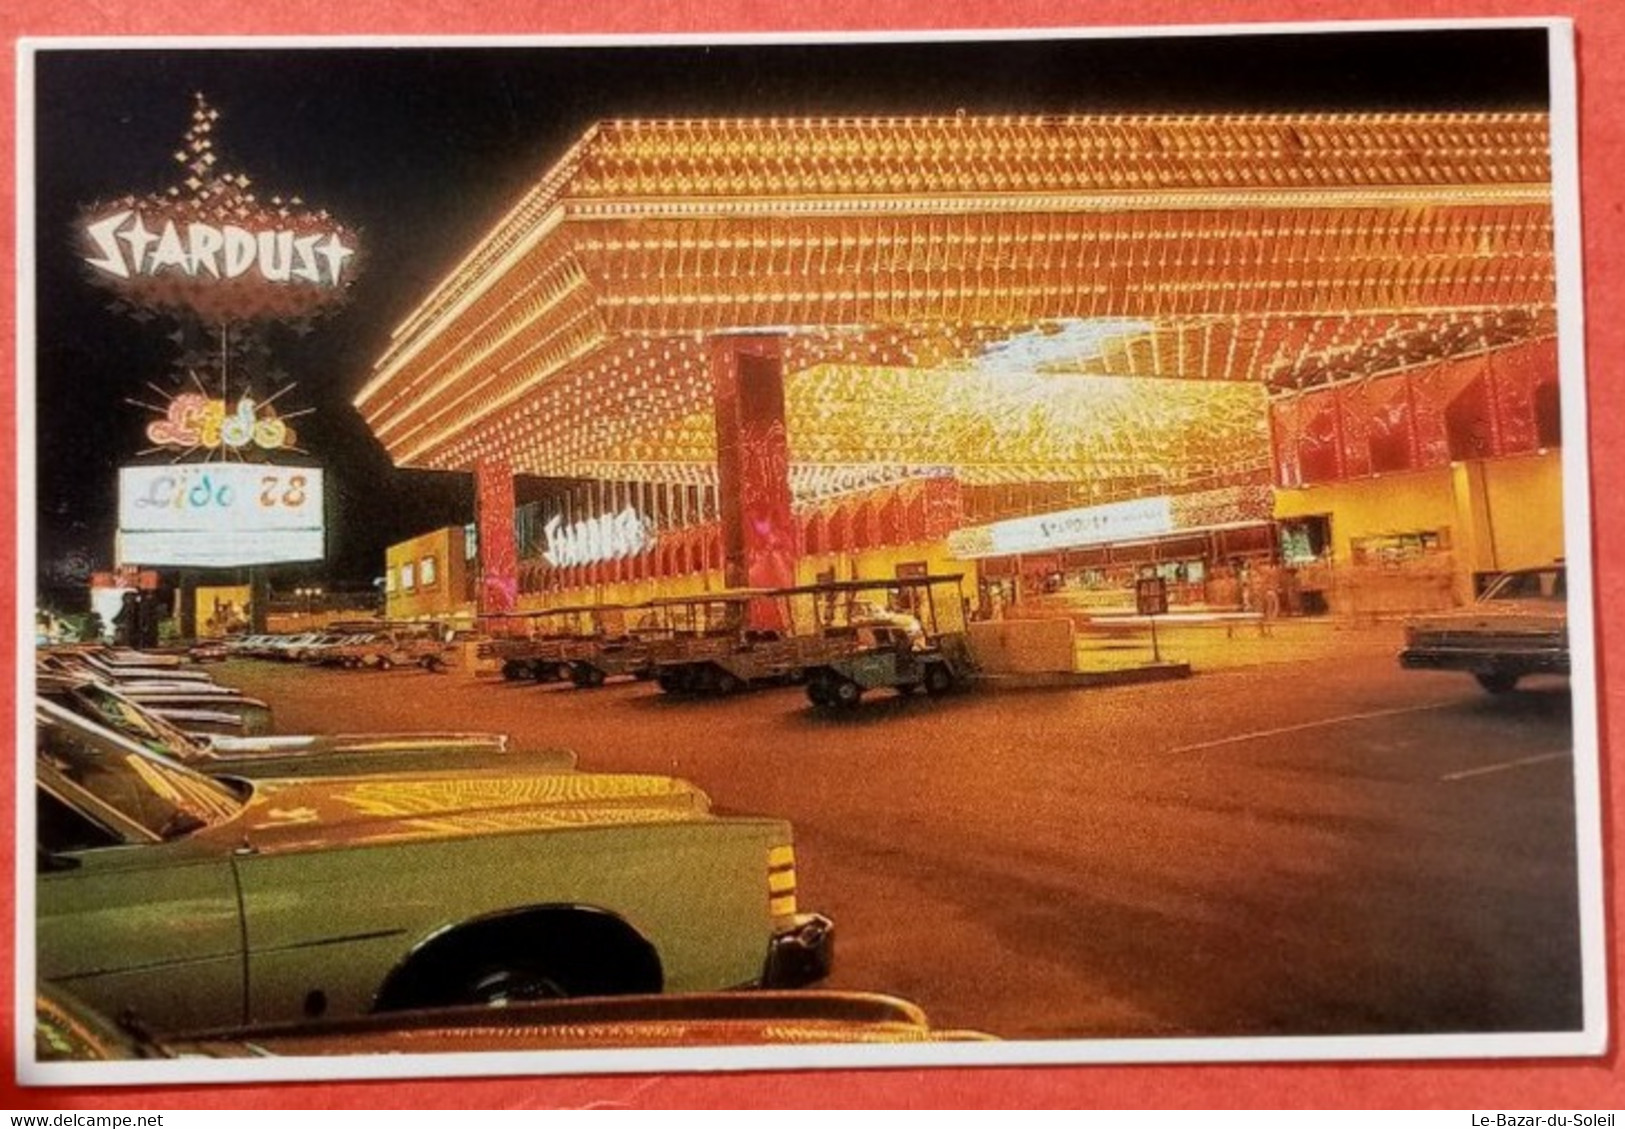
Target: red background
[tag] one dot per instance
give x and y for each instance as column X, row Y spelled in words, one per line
column 1572, row 1084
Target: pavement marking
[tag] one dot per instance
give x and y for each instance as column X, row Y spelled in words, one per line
column 1321, row 724
column 1506, row 766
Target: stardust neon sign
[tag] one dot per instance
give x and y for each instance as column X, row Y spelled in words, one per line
column 127, row 246
column 606, row 538
column 195, row 421
column 214, row 248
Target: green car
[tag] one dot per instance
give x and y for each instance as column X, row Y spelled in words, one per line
column 189, row 902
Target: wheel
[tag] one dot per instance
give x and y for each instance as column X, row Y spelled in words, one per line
column 667, row 683
column 1498, row 682
column 586, row 677
column 728, row 684
column 937, row 679
column 514, row 671
column 501, row 986
column 818, row 692
column 550, row 956
column 385, row 662
column 846, row 693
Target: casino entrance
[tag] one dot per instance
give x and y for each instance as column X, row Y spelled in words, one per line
column 1314, row 354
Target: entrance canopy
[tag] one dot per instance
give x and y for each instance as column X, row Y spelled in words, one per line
column 1097, row 298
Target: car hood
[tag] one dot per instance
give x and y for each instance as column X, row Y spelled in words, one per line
column 1500, row 616
column 228, row 750
column 314, row 814
column 66, row 1029
column 621, row 1022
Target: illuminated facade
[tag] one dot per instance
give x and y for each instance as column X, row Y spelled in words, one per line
column 430, row 577
column 801, row 348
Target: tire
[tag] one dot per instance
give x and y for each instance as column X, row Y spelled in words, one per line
column 512, row 961
column 513, row 671
column 1498, row 682
column 510, row 984
column 937, row 679
column 818, row 692
column 669, row 683
column 846, row 694
column 586, row 677
column 728, row 684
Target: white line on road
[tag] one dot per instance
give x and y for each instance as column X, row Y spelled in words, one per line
column 1506, row 766
column 1321, row 724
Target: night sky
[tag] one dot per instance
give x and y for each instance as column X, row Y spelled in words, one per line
column 422, row 149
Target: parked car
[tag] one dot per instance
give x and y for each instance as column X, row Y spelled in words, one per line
column 198, row 902
column 67, row 1031
column 209, row 651
column 415, row 645
column 101, row 664
column 1518, row 627
column 265, row 756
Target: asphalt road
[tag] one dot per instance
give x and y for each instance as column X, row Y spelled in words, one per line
column 1326, row 846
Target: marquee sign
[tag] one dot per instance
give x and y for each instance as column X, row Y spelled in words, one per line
column 1137, row 519
column 212, row 248
column 1068, row 529
column 219, row 514
column 196, row 422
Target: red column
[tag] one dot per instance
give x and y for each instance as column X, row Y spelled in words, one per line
column 753, row 463
column 499, row 555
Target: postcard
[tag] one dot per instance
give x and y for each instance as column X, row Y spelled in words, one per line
column 562, row 556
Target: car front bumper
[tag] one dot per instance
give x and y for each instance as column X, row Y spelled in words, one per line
column 1485, row 662
column 802, row 951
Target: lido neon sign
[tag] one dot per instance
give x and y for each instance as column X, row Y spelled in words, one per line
column 195, row 421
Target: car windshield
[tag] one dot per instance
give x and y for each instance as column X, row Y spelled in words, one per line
column 119, row 713
column 166, row 799
column 1529, row 584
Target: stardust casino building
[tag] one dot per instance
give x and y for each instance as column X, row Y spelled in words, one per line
column 1302, row 362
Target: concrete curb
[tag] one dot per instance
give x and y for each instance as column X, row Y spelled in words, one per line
column 1084, row 679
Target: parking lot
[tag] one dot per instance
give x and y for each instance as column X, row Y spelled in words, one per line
column 1304, row 844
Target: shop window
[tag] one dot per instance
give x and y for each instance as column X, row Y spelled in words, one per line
column 1306, row 540
column 426, row 572
column 1398, row 548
